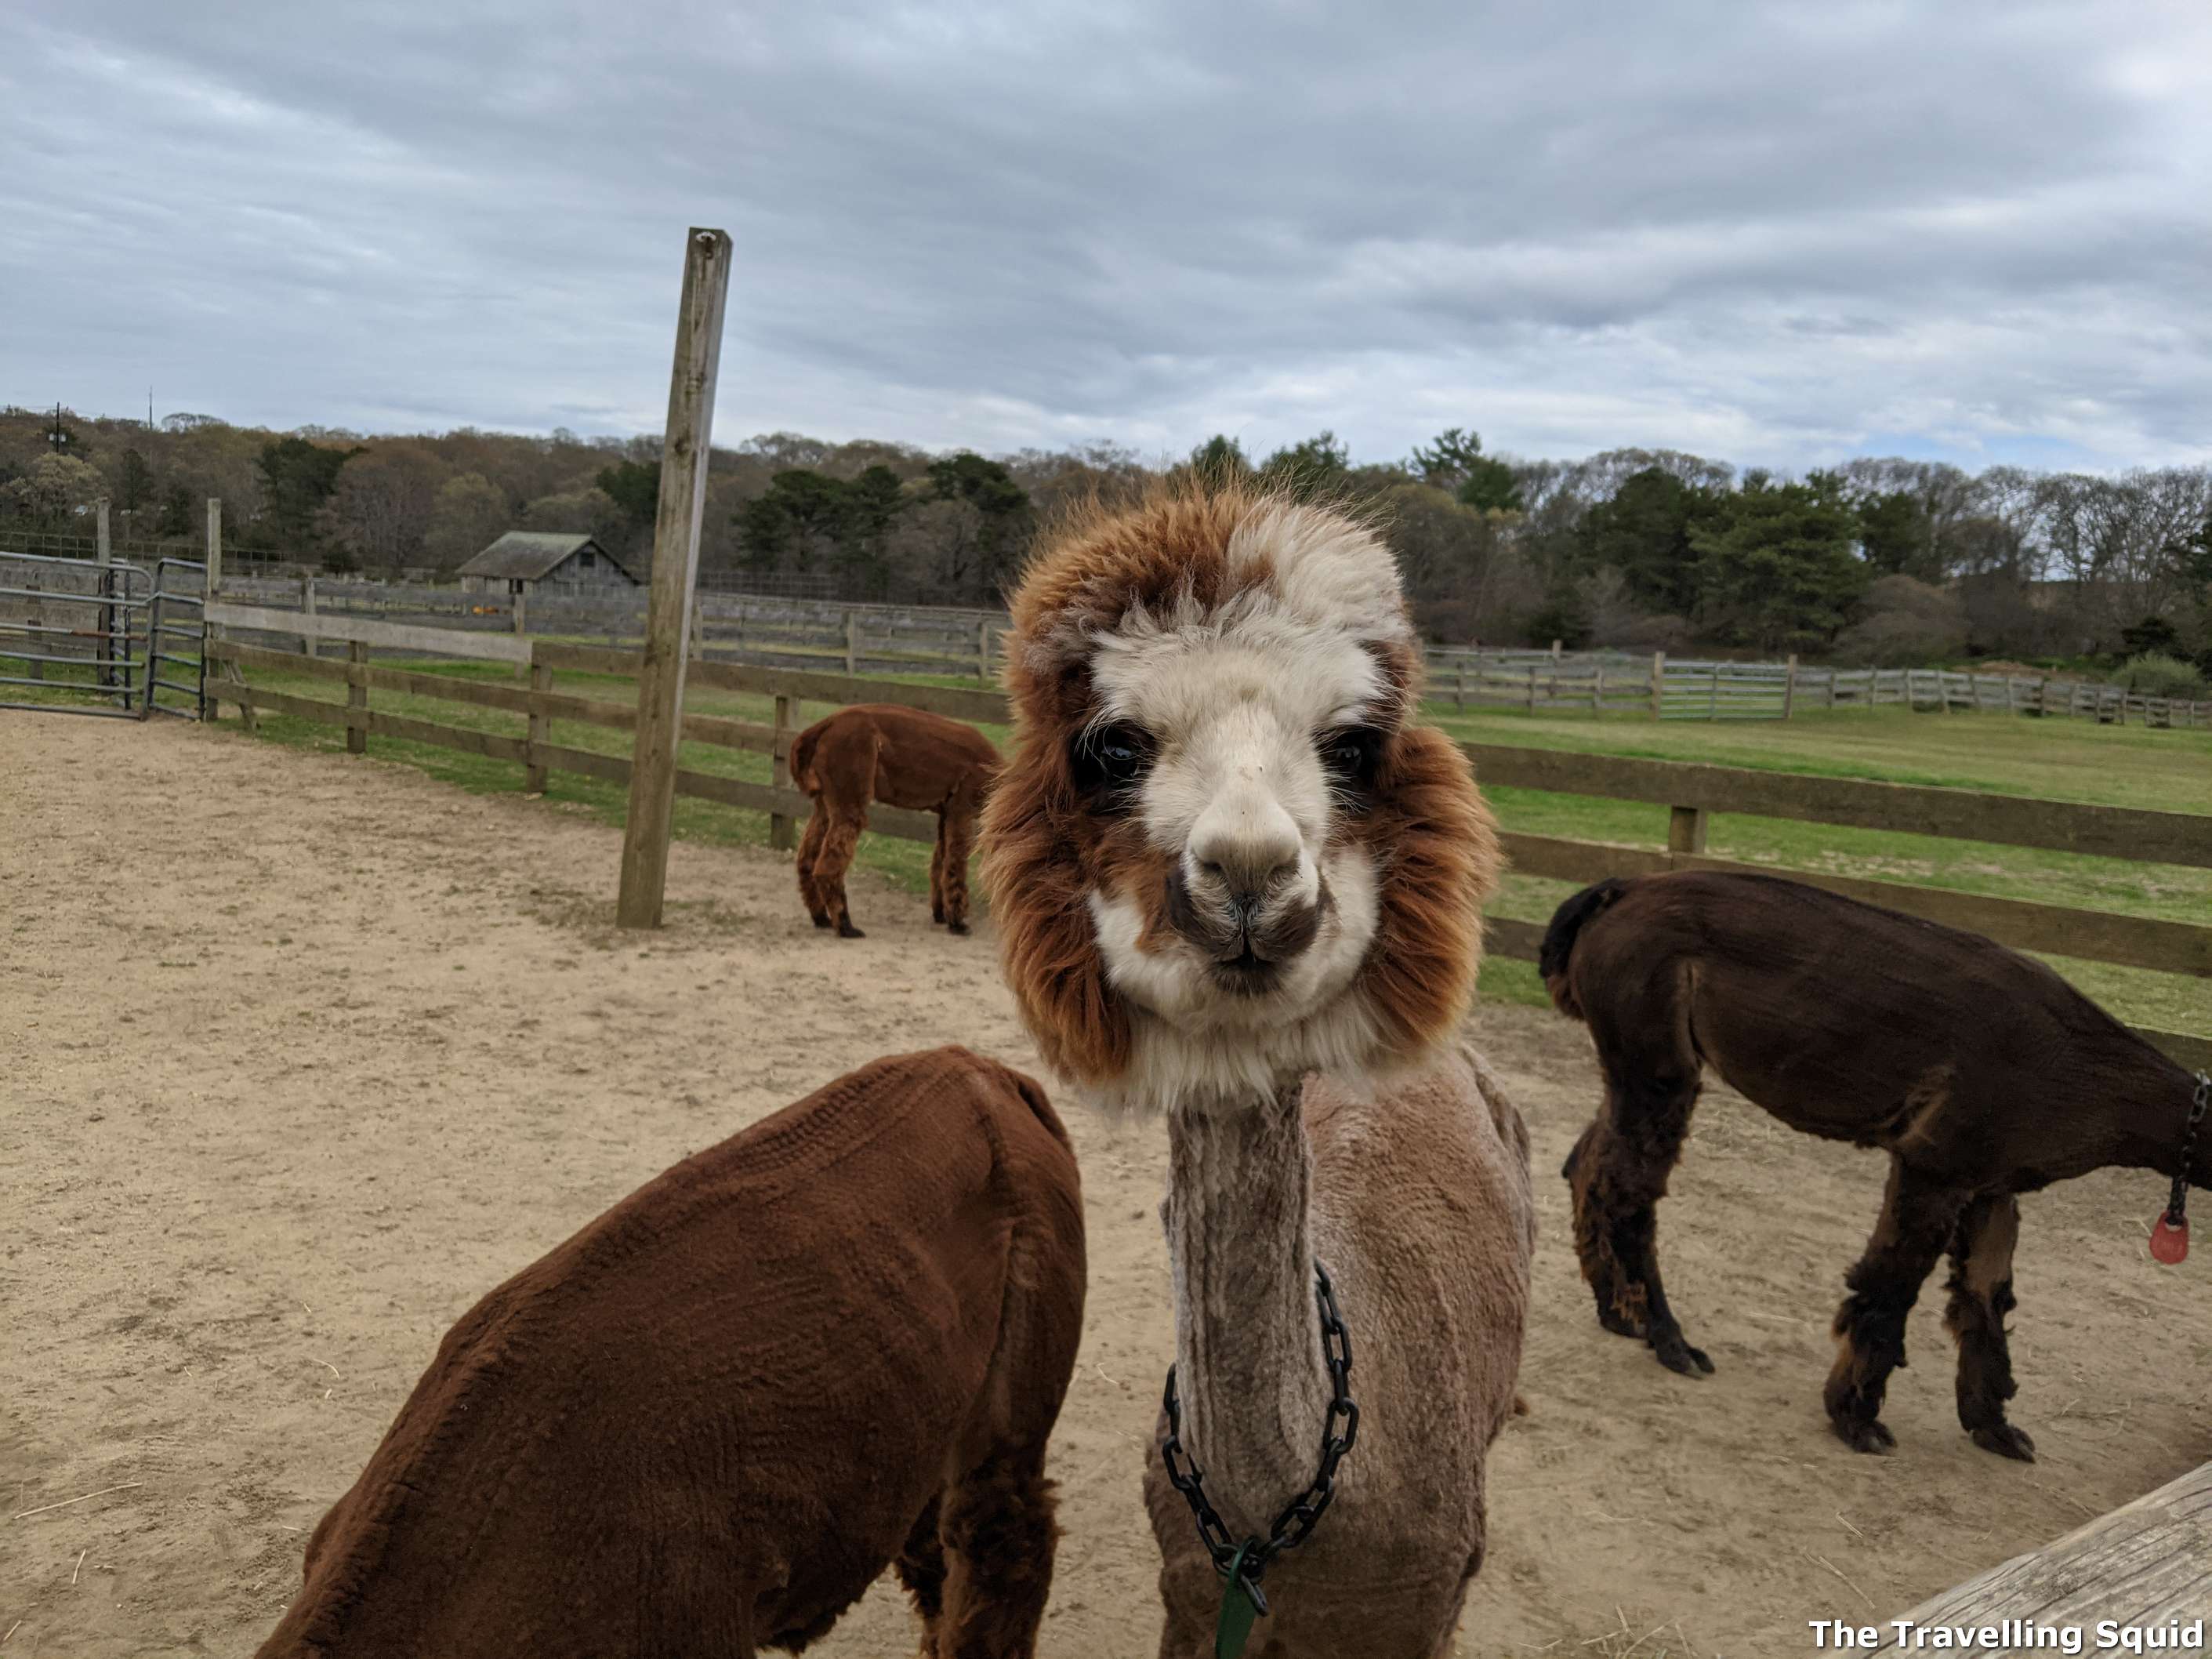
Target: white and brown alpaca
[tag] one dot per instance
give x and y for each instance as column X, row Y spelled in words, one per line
column 1235, row 887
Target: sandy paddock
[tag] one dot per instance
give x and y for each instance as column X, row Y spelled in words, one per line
column 303, row 1052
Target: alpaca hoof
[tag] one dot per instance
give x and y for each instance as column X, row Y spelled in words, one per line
column 846, row 930
column 1863, row 1434
column 2005, row 1441
column 821, row 918
column 1679, row 1356
column 937, row 912
column 959, row 927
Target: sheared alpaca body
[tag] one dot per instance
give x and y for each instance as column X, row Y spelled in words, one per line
column 906, row 758
column 1982, row 1074
column 702, row 1427
column 1420, row 1206
column 1235, row 888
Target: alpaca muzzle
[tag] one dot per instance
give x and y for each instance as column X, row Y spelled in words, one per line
column 1248, row 936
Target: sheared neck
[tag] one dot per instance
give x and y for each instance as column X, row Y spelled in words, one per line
column 1248, row 1363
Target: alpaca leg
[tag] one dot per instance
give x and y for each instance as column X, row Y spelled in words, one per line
column 1618, row 1174
column 809, row 850
column 956, row 836
column 999, row 1537
column 921, row 1569
column 1917, row 1217
column 936, row 873
column 838, row 842
column 1981, row 1297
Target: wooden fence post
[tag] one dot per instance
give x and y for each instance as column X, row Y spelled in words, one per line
column 1459, row 686
column 1790, row 686
column 521, row 597
column 983, row 650
column 356, row 697
column 1832, row 688
column 1597, row 688
column 1658, row 682
column 780, row 826
column 311, row 641
column 214, row 547
column 852, row 642
column 1685, row 828
column 541, row 727
column 684, row 451
column 1532, row 688
column 1713, row 697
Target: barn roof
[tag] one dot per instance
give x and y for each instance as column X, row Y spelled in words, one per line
column 528, row 555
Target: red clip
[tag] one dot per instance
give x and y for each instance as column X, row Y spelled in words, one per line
column 2169, row 1241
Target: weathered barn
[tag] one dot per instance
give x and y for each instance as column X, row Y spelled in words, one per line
column 525, row 560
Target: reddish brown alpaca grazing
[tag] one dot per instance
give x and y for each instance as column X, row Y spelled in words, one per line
column 901, row 758
column 706, row 1423
column 1981, row 1073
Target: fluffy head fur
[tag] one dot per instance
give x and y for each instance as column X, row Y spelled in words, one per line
column 1286, row 876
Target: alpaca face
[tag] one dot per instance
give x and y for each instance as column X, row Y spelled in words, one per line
column 1220, row 857
column 1240, row 764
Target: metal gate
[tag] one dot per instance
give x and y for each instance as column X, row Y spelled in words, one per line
column 82, row 637
column 176, row 639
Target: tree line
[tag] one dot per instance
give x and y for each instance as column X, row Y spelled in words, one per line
column 1882, row 560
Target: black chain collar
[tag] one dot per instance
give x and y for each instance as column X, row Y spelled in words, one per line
column 2177, row 1215
column 1250, row 1558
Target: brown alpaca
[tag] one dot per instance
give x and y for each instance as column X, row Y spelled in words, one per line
column 706, row 1423
column 1235, row 887
column 1982, row 1075
column 901, row 758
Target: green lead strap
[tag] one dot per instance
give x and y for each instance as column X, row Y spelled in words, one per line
column 1240, row 1606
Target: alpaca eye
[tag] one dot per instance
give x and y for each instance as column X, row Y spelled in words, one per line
column 1351, row 755
column 1112, row 758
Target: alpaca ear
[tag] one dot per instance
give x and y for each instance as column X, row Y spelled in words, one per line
column 1037, row 893
column 1437, row 857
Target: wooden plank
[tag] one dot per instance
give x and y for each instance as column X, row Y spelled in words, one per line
column 2170, row 947
column 2141, row 1565
column 392, row 636
column 892, row 821
column 586, row 763
column 282, row 702
column 685, row 452
column 755, row 736
column 375, row 723
column 493, row 744
column 1501, row 936
column 2118, row 832
column 984, row 708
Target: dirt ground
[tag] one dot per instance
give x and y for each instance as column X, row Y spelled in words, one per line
column 299, row 1054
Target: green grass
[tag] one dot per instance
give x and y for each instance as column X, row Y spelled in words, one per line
column 2057, row 760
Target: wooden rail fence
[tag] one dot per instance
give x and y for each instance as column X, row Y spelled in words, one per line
column 885, row 639
column 2138, row 1567
column 1693, row 793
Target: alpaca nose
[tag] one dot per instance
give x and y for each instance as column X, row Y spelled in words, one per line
column 1248, row 849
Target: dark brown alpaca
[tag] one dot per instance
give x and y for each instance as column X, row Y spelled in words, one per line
column 704, row 1426
column 1982, row 1074
column 901, row 758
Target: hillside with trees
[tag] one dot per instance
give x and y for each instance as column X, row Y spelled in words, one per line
column 1879, row 560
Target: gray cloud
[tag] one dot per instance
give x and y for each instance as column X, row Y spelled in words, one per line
column 1775, row 233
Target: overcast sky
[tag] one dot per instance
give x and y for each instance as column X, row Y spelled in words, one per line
column 1774, row 234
